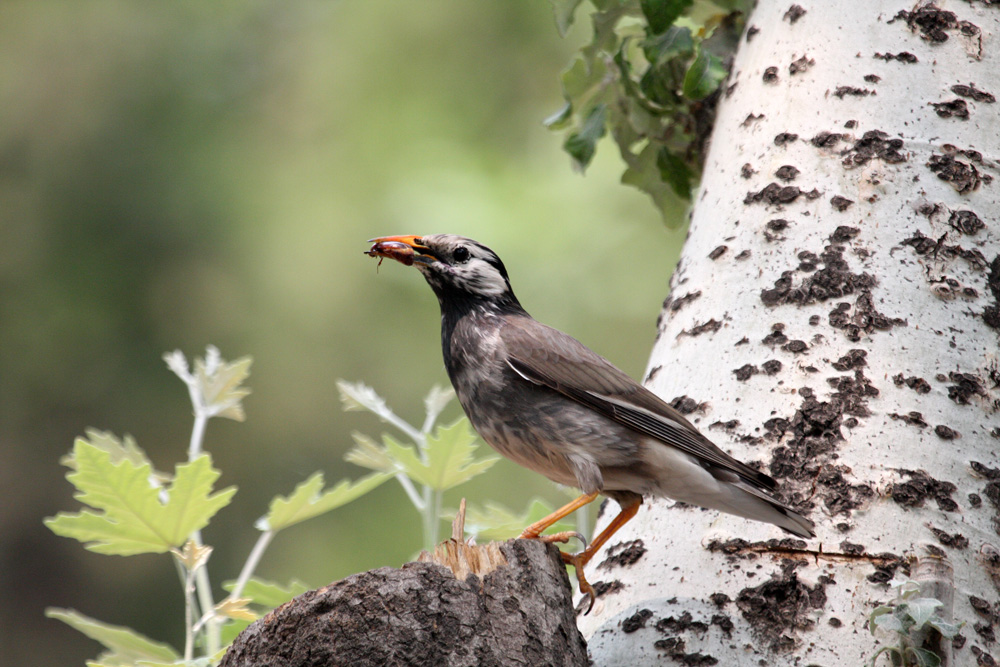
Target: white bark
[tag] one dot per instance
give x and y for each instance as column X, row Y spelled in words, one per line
column 864, row 300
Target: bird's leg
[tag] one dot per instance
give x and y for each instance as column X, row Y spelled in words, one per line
column 578, row 561
column 534, row 531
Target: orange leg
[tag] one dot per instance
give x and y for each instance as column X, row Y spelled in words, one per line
column 578, row 561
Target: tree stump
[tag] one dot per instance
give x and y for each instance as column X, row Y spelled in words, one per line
column 499, row 604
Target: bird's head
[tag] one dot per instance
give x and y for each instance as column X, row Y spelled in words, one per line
column 457, row 268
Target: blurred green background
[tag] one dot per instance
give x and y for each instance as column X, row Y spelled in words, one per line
column 184, row 173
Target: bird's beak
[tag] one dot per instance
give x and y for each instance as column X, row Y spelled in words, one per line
column 404, row 249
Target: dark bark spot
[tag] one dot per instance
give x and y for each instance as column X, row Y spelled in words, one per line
column 953, row 109
column 720, row 600
column 873, row 144
column 752, row 32
column 919, row 487
column 624, row 553
column 673, row 305
column 745, row 372
column 744, row 254
column 843, row 234
column 724, row 623
column 965, row 222
column 913, row 418
column 853, row 359
column 902, row 56
column 853, row 91
column 770, row 74
column 795, row 346
column 801, row 65
column 777, row 225
column 774, row 194
column 718, row 252
column 835, row 622
column 840, row 203
column 780, row 606
column 751, row 118
column 771, row 366
column 851, row 124
column 794, row 13
column 602, row 588
column 685, row 405
column 683, row 623
column 930, row 21
column 937, row 249
column 636, row 620
column 853, row 393
column 966, row 385
column 956, row 541
column 674, row 649
column 946, row 433
column 826, row 139
column 991, row 315
column 975, row 500
column 962, row 176
column 885, row 571
column 787, row 173
column 851, row 548
column 970, row 91
column 785, row 138
column 710, row 326
column 746, row 171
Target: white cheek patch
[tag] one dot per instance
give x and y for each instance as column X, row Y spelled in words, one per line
column 480, row 277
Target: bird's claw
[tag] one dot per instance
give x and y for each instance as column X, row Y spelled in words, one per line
column 577, row 561
column 561, row 538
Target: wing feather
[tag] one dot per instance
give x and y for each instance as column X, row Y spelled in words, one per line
column 548, row 357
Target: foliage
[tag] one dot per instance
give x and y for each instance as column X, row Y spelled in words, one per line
column 904, row 618
column 133, row 509
column 650, row 76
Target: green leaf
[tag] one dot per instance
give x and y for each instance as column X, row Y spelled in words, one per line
column 704, row 76
column 221, row 384
column 643, row 173
column 661, row 14
column 131, row 517
column 675, row 42
column 564, row 10
column 675, row 172
column 493, row 521
column 369, row 454
column 947, row 630
column 124, row 646
column 448, row 458
column 876, row 615
column 560, row 119
column 920, row 609
column 924, row 657
column 268, row 593
column 583, row 144
column 309, row 500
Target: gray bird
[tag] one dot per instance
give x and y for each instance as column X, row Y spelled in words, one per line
column 546, row 401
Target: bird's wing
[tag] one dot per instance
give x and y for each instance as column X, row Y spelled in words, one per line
column 548, row 357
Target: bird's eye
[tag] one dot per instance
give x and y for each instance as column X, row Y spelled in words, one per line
column 461, row 254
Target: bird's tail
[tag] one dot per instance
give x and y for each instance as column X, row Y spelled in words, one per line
column 743, row 500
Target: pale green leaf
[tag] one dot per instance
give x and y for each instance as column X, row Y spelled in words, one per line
column 947, row 630
column 661, row 14
column 920, row 609
column 876, row 615
column 123, row 646
column 359, row 396
column 564, row 10
column 560, row 119
column 131, row 517
column 309, row 500
column 582, row 145
column 448, row 461
column 268, row 593
column 369, row 454
column 925, row 658
column 436, row 401
column 221, row 384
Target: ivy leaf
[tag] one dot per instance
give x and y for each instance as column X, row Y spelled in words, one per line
column 704, row 76
column 124, row 646
column 267, row 593
column 675, row 42
column 582, row 145
column 131, row 517
column 564, row 10
column 920, row 609
column 448, row 458
column 661, row 14
column 875, row 619
column 308, row 500
column 925, row 658
column 947, row 630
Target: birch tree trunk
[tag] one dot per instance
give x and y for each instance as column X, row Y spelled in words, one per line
column 835, row 317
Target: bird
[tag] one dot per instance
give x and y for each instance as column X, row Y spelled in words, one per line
column 546, row 401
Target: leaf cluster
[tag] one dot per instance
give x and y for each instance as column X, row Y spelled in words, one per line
column 905, row 618
column 650, row 77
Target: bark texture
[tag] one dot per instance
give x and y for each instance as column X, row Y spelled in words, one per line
column 517, row 611
column 834, row 318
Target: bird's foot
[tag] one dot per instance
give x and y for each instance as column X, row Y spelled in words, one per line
column 561, row 538
column 578, row 561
